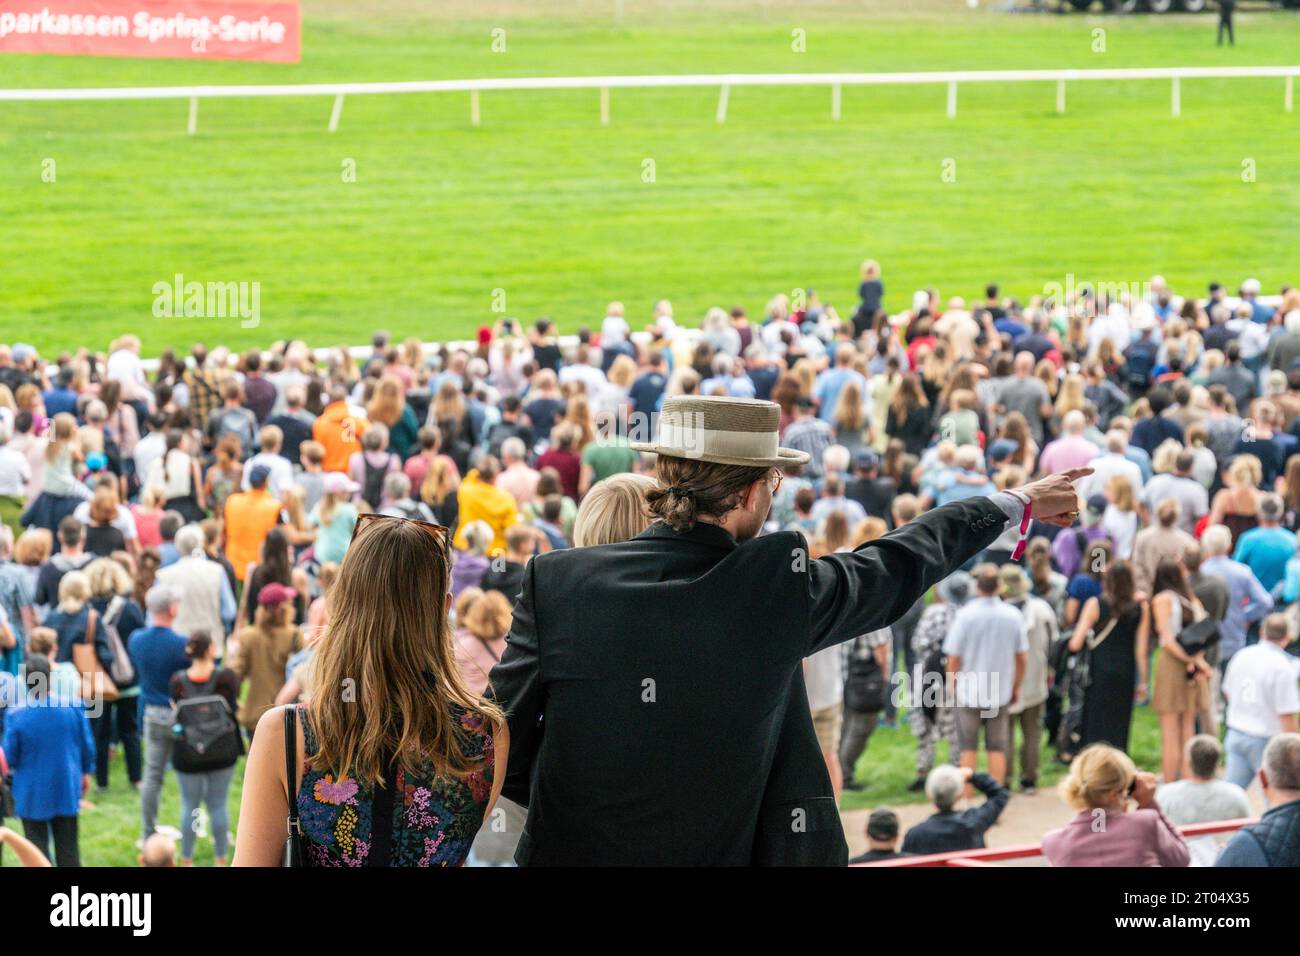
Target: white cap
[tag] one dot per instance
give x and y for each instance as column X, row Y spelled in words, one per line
column 1250, row 287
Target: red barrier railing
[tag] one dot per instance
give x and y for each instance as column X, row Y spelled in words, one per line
column 990, row 856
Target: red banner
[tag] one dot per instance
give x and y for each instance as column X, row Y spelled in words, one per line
column 189, row 29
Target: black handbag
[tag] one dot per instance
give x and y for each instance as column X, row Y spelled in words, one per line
column 293, row 848
column 1199, row 635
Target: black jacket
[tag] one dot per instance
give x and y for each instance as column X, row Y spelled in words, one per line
column 949, row 831
column 655, row 688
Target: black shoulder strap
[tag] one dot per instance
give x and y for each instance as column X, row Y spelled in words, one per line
column 381, row 819
column 291, row 764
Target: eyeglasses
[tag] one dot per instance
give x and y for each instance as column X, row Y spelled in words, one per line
column 779, row 477
column 441, row 534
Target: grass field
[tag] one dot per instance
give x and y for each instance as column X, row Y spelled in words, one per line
column 109, row 832
column 544, row 203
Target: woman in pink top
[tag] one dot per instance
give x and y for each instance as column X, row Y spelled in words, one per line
column 480, row 637
column 1102, row 780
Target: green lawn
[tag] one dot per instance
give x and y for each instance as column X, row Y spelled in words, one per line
column 109, row 832
column 544, row 203
column 889, row 763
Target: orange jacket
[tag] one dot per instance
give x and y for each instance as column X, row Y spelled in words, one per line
column 340, row 432
column 250, row 516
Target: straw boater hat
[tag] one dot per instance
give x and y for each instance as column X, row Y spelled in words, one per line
column 722, row 430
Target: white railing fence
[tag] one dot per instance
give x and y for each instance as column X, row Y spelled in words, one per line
column 723, row 82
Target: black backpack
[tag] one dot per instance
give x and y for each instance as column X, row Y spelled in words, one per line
column 864, row 686
column 205, row 731
column 373, row 490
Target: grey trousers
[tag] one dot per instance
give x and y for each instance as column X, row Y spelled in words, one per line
column 157, row 756
column 1030, row 724
column 854, row 734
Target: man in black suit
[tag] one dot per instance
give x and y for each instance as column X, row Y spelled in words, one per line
column 655, row 688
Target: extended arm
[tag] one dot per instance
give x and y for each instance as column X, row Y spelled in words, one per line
column 516, row 685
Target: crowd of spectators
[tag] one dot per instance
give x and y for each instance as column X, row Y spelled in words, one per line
column 178, row 524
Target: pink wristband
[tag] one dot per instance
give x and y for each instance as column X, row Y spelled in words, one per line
column 1017, row 554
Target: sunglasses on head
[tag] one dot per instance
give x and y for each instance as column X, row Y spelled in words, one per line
column 440, row 534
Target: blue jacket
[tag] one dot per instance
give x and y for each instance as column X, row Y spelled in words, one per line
column 49, row 747
column 157, row 653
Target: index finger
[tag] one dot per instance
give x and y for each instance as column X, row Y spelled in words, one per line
column 1074, row 474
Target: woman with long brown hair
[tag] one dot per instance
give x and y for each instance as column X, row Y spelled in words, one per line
column 1015, row 427
column 852, row 429
column 388, row 407
column 398, row 761
column 786, row 393
column 909, row 415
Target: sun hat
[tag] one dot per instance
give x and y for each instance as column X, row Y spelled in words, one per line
column 337, row 483
column 722, row 430
column 274, row 594
column 1013, row 580
column 955, row 588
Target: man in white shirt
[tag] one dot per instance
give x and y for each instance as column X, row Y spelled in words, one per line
column 988, row 651
column 1113, row 462
column 270, row 439
column 592, row 378
column 151, row 447
column 124, row 366
column 1263, row 698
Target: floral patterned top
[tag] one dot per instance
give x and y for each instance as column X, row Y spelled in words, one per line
column 434, row 818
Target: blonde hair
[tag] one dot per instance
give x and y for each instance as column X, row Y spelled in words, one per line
column 1166, row 455
column 74, row 592
column 1095, row 775
column 465, row 602
column 489, row 617
column 869, row 529
column 478, row 537
column 438, row 482
column 64, row 433
column 388, row 638
column 614, row 510
column 1121, row 492
column 106, row 578
column 1245, row 470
